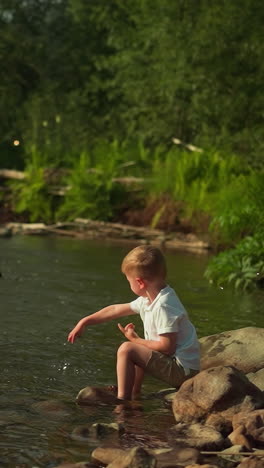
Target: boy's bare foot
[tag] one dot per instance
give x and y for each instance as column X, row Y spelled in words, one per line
column 127, row 405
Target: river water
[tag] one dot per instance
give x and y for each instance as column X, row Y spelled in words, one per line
column 47, row 284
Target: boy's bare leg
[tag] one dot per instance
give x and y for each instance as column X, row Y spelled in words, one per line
column 139, row 376
column 129, row 356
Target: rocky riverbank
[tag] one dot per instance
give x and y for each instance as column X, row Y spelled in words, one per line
column 89, row 229
column 218, row 414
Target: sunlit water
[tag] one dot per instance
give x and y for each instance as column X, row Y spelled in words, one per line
column 47, row 285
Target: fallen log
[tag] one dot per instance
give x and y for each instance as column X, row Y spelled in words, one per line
column 12, row 174
column 90, row 229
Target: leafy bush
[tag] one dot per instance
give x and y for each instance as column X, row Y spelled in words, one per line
column 32, row 194
column 239, row 208
column 91, row 192
column 242, row 266
column 192, row 177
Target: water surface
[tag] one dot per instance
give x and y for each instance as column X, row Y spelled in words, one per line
column 47, row 285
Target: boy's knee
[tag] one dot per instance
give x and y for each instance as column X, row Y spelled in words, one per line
column 125, row 348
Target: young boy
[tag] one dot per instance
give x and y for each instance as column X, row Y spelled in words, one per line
column 170, row 349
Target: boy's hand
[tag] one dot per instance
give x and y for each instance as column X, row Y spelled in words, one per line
column 128, row 331
column 75, row 333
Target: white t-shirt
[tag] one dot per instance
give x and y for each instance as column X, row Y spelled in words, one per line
column 166, row 314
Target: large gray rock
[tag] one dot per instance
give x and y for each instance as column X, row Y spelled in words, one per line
column 242, row 348
column 223, row 389
column 257, row 378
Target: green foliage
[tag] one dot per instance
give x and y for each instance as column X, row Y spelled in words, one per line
column 91, row 193
column 242, row 266
column 239, row 222
column 239, row 208
column 32, row 195
column 132, row 71
column 192, row 177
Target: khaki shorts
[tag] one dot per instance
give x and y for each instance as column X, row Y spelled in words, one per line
column 168, row 369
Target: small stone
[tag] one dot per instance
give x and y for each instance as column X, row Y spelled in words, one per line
column 252, row 462
column 219, row 423
column 238, row 437
column 104, row 429
column 179, row 456
column 254, row 425
column 137, row 457
column 195, row 435
column 106, row 455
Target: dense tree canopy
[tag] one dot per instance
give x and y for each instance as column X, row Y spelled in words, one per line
column 75, row 71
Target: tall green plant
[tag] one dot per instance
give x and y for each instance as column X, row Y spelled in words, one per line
column 32, row 195
column 91, row 191
column 240, row 222
column 192, row 177
column 239, row 208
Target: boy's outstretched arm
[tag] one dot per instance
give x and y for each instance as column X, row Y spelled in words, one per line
column 104, row 315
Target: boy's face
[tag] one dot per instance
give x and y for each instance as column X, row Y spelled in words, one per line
column 137, row 285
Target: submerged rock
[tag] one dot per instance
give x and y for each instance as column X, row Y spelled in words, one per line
column 52, row 408
column 96, row 395
column 81, row 433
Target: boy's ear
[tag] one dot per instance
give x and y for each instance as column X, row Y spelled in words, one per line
column 141, row 283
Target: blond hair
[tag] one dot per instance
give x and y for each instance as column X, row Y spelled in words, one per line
column 145, row 261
